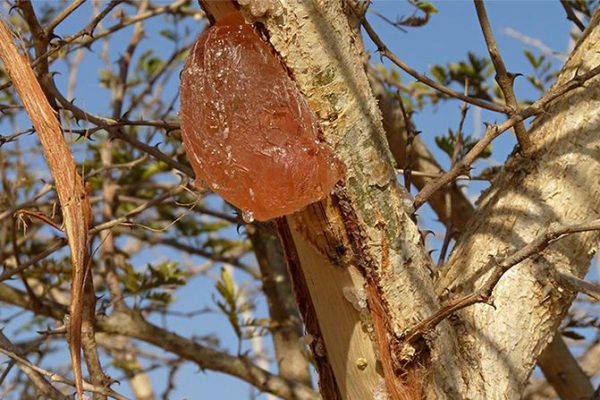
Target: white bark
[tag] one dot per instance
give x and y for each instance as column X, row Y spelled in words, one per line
column 559, row 182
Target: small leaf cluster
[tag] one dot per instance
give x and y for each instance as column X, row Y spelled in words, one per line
column 153, row 283
column 448, row 142
column 474, row 71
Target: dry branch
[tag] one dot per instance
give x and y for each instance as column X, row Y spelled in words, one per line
column 38, row 379
column 385, row 52
column 501, row 267
column 69, row 185
column 493, row 131
column 133, row 325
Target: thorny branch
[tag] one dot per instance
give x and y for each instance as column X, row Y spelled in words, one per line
column 43, row 377
column 503, row 77
column 493, row 131
column 132, row 324
column 34, row 374
column 385, row 52
column 237, row 366
column 571, row 16
column 516, row 116
column 499, row 268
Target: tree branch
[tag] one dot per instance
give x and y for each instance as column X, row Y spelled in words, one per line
column 385, row 52
column 133, row 325
column 493, row 131
column 484, row 293
column 503, row 77
column 37, row 378
column 571, row 16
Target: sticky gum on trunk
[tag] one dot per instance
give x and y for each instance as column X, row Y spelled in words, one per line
column 248, row 131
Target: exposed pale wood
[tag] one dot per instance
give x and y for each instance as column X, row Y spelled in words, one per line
column 348, row 346
column 316, row 43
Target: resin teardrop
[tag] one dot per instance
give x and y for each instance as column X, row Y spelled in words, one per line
column 248, row 131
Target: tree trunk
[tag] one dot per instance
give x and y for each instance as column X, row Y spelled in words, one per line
column 557, row 183
column 360, row 242
column 360, row 246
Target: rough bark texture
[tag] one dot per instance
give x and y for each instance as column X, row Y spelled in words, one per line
column 556, row 361
column 558, row 182
column 361, row 239
column 422, row 160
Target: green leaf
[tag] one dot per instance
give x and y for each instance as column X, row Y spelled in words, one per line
column 446, row 143
column 532, row 59
column 168, row 34
column 426, row 7
column 439, row 73
column 226, row 288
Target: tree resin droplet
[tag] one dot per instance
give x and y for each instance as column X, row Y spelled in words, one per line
column 248, row 216
column 247, row 130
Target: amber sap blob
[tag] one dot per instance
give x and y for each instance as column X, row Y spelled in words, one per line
column 247, row 130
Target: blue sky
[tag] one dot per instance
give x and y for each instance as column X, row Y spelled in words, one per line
column 448, row 36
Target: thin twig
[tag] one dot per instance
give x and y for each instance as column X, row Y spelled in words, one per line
column 174, row 243
column 14, row 136
column 449, row 230
column 385, row 52
column 38, row 379
column 54, row 377
column 54, row 246
column 575, row 284
column 126, row 218
column 456, row 153
column 133, row 324
column 59, row 243
column 62, row 16
column 503, row 77
column 571, row 16
column 112, row 126
column 494, row 131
